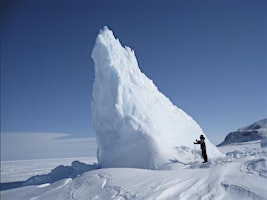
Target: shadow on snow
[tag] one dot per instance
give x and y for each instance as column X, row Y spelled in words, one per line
column 61, row 172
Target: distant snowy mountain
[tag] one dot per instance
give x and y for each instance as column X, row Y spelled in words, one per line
column 255, row 131
column 135, row 124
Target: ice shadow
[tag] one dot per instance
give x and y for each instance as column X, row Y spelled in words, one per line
column 61, row 172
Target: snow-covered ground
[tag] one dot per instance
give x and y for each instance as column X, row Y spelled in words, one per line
column 242, row 174
column 21, row 170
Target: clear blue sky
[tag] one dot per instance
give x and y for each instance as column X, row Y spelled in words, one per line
column 208, row 57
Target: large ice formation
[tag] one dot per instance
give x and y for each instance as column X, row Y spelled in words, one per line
column 135, row 124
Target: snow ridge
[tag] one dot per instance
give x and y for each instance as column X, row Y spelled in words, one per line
column 255, row 131
column 131, row 118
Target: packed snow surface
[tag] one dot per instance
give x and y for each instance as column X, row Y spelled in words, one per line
column 242, row 174
column 21, row 170
column 255, row 131
column 131, row 118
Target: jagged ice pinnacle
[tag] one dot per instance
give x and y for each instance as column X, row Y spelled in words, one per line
column 135, row 124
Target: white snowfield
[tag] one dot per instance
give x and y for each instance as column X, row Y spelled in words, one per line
column 242, row 174
column 131, row 118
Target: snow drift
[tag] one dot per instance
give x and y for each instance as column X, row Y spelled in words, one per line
column 255, row 131
column 242, row 174
column 135, row 124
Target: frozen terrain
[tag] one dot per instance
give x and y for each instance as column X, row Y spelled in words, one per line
column 242, row 174
column 131, row 118
column 21, row 170
column 139, row 129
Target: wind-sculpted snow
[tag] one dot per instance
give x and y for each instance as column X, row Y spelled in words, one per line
column 60, row 172
column 242, row 174
column 135, row 124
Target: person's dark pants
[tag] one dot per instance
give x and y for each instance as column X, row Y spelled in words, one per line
column 204, row 155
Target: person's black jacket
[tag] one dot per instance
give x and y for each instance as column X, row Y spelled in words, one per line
column 202, row 144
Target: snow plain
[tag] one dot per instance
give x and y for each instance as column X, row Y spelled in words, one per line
column 21, row 170
column 241, row 174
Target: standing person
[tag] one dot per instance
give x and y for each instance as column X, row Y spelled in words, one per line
column 203, row 147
